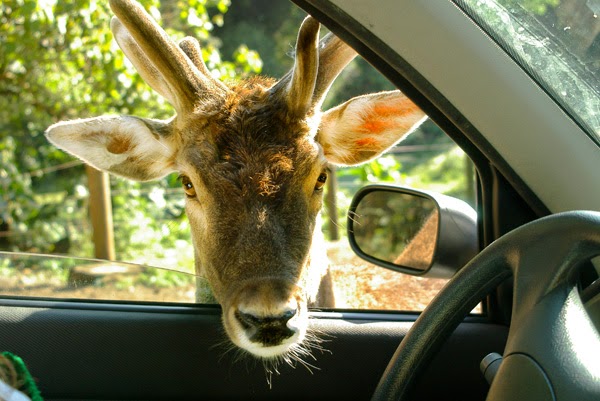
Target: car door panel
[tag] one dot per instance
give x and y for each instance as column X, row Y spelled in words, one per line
column 80, row 350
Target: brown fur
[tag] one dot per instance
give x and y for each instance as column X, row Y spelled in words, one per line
column 250, row 155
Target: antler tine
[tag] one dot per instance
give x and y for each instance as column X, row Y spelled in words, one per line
column 191, row 48
column 334, row 56
column 304, row 75
column 297, row 86
column 316, row 66
column 180, row 74
column 141, row 63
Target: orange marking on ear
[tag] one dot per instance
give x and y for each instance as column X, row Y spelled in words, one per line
column 377, row 126
column 395, row 109
column 380, row 117
column 366, row 142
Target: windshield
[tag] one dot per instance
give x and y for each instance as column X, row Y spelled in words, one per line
column 557, row 42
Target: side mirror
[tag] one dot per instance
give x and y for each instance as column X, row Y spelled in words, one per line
column 413, row 232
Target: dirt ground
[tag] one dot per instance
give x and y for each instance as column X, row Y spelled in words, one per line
column 361, row 285
column 357, row 285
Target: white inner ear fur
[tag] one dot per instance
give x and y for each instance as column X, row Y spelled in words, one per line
column 105, row 142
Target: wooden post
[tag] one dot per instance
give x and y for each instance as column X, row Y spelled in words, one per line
column 331, row 204
column 101, row 214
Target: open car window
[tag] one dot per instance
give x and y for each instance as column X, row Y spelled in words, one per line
column 50, row 208
column 149, row 241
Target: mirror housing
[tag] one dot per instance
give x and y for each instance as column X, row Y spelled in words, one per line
column 411, row 231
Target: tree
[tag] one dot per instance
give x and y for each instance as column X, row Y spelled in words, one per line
column 58, row 61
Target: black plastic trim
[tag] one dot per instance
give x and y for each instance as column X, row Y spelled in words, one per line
column 209, row 309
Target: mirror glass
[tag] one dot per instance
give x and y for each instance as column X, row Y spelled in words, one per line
column 397, row 228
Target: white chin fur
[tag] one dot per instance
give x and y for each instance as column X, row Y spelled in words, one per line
column 275, row 351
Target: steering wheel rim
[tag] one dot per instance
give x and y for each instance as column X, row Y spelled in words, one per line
column 543, row 257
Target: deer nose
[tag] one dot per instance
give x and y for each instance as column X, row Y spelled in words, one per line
column 267, row 330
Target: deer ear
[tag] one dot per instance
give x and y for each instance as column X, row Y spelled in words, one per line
column 130, row 147
column 366, row 126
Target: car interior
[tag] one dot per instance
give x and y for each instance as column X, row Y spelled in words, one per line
column 531, row 263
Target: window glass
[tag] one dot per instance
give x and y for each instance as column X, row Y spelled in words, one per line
column 557, row 42
column 60, row 62
column 427, row 160
column 54, row 276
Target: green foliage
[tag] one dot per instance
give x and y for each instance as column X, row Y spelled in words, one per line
column 15, row 187
column 383, row 169
column 427, row 159
column 161, row 278
column 450, row 173
column 270, row 27
column 58, row 61
column 436, row 164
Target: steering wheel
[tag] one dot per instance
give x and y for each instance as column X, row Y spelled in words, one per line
column 553, row 347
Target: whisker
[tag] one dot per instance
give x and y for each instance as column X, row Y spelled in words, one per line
column 269, row 376
column 161, row 144
column 240, row 355
column 308, row 366
column 314, row 341
column 224, row 339
column 296, row 355
column 354, row 217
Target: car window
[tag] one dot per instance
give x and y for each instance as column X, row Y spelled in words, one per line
column 63, row 277
column 427, row 160
column 557, row 43
column 62, row 63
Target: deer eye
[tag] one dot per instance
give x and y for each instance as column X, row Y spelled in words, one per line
column 321, row 181
column 188, row 187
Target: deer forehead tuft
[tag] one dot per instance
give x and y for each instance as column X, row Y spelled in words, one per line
column 250, row 112
column 243, row 167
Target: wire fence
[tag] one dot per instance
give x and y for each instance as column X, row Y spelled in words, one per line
column 169, row 193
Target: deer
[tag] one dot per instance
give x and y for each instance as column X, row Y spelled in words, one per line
column 252, row 156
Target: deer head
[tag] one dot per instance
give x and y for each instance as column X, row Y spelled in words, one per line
column 252, row 157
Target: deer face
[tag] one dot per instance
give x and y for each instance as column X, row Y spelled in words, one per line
column 253, row 196
column 252, row 158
